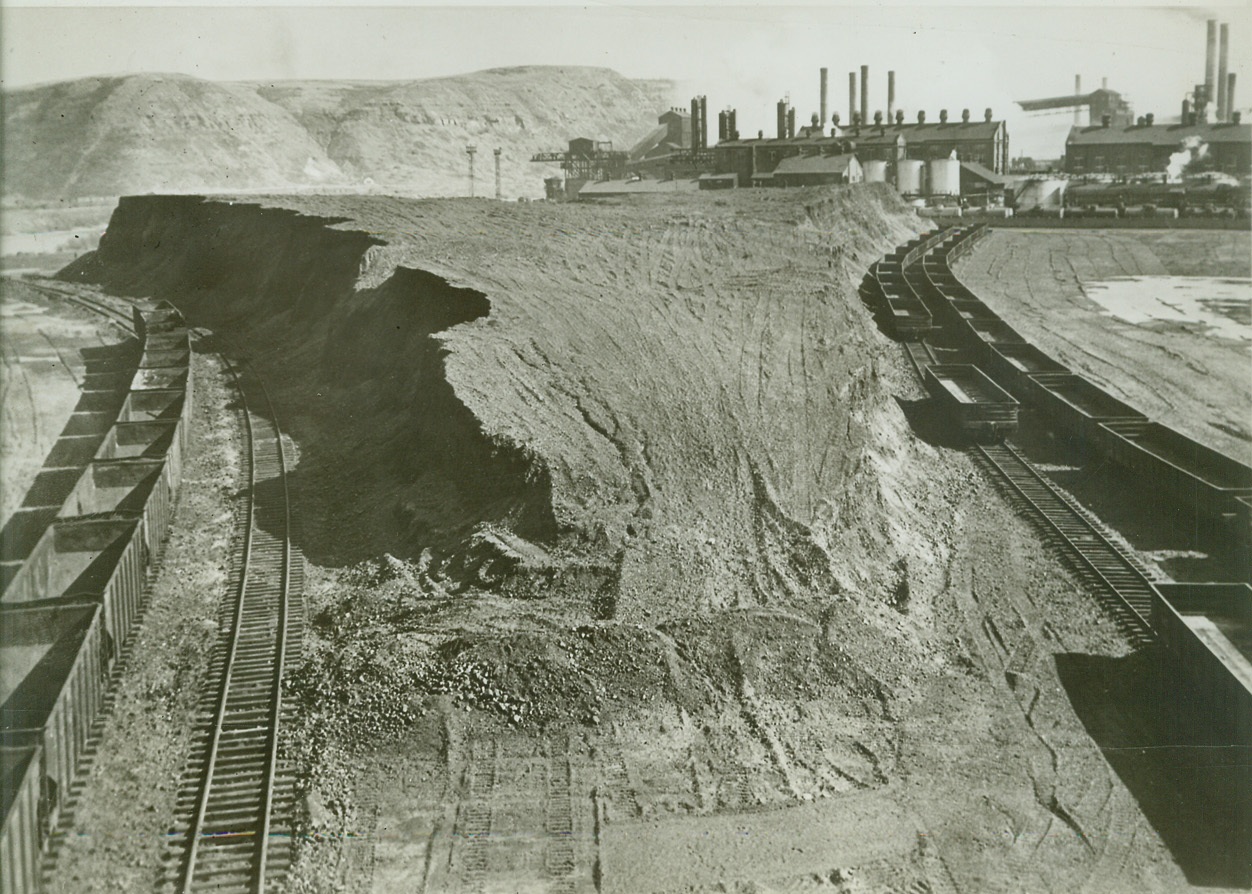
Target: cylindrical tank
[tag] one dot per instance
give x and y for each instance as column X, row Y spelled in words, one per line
column 909, row 176
column 944, row 176
column 875, row 171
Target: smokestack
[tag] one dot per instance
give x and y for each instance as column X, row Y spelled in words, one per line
column 1077, row 92
column 1230, row 96
column 1210, row 61
column 695, row 123
column 851, row 96
column 1223, row 109
column 864, row 92
column 891, row 95
column 721, row 127
column 1186, row 113
column 704, row 122
column 823, row 106
column 732, row 126
column 791, row 123
column 782, row 119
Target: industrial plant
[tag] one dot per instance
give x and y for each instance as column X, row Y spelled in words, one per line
column 951, row 159
column 550, row 479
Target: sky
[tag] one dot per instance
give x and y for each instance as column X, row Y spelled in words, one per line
column 748, row 57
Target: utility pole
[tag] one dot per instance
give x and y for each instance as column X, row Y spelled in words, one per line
column 470, row 150
column 499, row 192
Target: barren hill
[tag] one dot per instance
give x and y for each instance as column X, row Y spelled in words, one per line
column 174, row 133
column 626, row 571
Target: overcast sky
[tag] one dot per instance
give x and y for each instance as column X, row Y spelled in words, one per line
column 743, row 56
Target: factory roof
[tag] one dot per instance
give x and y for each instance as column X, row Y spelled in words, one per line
column 984, row 173
column 877, row 134
column 813, row 141
column 939, row 131
column 1160, row 134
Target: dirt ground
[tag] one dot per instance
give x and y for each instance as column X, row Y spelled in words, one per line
column 628, row 572
column 1190, row 380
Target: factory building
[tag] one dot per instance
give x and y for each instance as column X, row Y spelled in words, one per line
column 879, row 147
column 1148, row 148
column 812, row 170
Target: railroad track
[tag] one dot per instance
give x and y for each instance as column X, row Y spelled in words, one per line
column 1114, row 574
column 118, row 317
column 236, row 799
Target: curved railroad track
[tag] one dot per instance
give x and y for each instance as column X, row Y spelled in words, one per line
column 235, row 801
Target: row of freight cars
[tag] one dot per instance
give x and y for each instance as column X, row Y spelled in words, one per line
column 897, row 286
column 1207, row 626
column 70, row 604
column 1203, row 482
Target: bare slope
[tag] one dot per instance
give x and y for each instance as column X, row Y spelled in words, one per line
column 174, row 133
column 669, row 573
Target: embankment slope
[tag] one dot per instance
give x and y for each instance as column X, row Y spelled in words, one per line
column 633, row 484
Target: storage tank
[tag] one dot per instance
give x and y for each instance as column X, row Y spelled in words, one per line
column 909, row 176
column 875, row 171
column 944, row 176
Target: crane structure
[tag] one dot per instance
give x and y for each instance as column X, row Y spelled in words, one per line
column 588, row 160
column 1098, row 104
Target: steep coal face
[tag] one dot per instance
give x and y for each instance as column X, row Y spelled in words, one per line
column 390, row 460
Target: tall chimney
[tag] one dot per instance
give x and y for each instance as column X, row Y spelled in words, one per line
column 704, row 122
column 1077, row 92
column 791, row 123
column 1186, row 113
column 732, row 126
column 823, row 109
column 695, row 123
column 782, row 119
column 722, row 129
column 1230, row 94
column 891, row 95
column 851, row 96
column 1210, row 62
column 1223, row 110
column 864, row 92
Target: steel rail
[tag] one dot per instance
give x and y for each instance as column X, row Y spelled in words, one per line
column 264, row 660
column 1094, row 552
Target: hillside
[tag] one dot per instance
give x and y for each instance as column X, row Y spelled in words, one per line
column 174, row 133
column 619, row 539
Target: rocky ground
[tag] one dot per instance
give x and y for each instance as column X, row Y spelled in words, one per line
column 627, row 572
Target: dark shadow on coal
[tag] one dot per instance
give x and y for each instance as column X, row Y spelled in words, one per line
column 108, row 372
column 1193, row 546
column 932, row 423
column 1176, row 753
